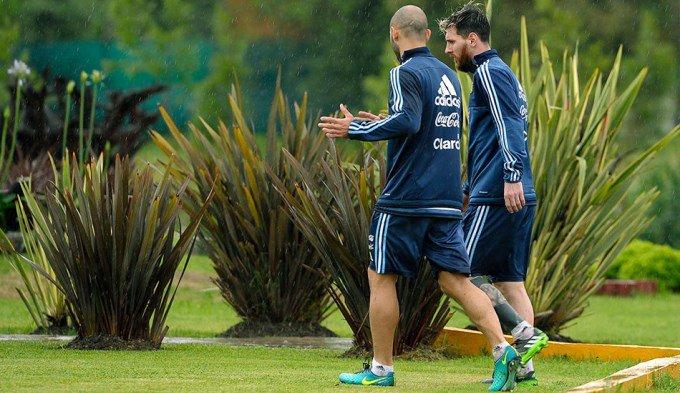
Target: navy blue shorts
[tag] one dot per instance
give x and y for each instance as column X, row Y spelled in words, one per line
column 398, row 243
column 498, row 242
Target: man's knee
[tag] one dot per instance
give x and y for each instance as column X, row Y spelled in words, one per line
column 479, row 281
column 376, row 279
column 511, row 289
column 452, row 282
column 484, row 283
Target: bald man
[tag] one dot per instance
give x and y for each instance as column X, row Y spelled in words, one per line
column 419, row 211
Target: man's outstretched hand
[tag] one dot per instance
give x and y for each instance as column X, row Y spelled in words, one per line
column 335, row 127
column 368, row 116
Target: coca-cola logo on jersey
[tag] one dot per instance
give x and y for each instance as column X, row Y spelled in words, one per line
column 524, row 112
column 451, row 120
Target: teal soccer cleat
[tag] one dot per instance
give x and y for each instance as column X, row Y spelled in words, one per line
column 527, row 379
column 505, row 371
column 367, row 378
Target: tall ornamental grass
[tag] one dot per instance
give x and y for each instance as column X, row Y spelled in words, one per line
column 265, row 267
column 334, row 212
column 113, row 246
column 585, row 216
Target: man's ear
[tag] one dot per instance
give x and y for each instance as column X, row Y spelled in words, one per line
column 472, row 39
column 428, row 34
column 394, row 33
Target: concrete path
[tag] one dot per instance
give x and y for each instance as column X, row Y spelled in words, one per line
column 293, row 342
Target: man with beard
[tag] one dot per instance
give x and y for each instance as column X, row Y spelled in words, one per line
column 499, row 186
column 418, row 213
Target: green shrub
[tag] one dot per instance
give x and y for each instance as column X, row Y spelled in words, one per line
column 114, row 242
column 266, row 269
column 645, row 260
column 634, row 250
column 588, row 211
column 41, row 296
column 334, row 212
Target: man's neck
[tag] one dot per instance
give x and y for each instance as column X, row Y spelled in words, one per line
column 479, row 49
column 403, row 47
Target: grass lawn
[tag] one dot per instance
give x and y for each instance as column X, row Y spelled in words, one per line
column 36, row 366
column 149, row 153
column 199, row 311
column 640, row 320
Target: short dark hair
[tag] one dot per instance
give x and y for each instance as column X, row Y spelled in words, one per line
column 469, row 19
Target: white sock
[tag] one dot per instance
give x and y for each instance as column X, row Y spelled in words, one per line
column 380, row 369
column 499, row 349
column 522, row 331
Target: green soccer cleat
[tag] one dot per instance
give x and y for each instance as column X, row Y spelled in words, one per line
column 505, row 371
column 367, row 378
column 531, row 346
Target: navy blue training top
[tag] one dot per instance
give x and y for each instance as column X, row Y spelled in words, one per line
column 423, row 129
column 498, row 150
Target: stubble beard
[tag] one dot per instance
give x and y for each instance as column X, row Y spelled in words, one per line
column 395, row 48
column 465, row 63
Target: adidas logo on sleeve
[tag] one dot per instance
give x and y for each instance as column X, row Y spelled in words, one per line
column 446, row 95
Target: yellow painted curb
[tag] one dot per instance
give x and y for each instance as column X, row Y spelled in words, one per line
column 636, row 378
column 472, row 343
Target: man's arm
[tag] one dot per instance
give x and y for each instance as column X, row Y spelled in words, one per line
column 407, row 109
column 500, row 92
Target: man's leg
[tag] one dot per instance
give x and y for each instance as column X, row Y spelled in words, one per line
column 444, row 248
column 475, row 303
column 516, row 295
column 528, row 339
column 510, row 280
column 508, row 317
column 479, row 309
column 395, row 250
column 383, row 315
column 489, row 240
column 499, row 244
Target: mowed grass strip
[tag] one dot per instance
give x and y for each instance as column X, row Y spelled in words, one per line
column 642, row 320
column 43, row 366
column 650, row 320
column 200, row 311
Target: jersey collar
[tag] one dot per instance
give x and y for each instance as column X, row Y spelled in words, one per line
column 484, row 56
column 422, row 51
